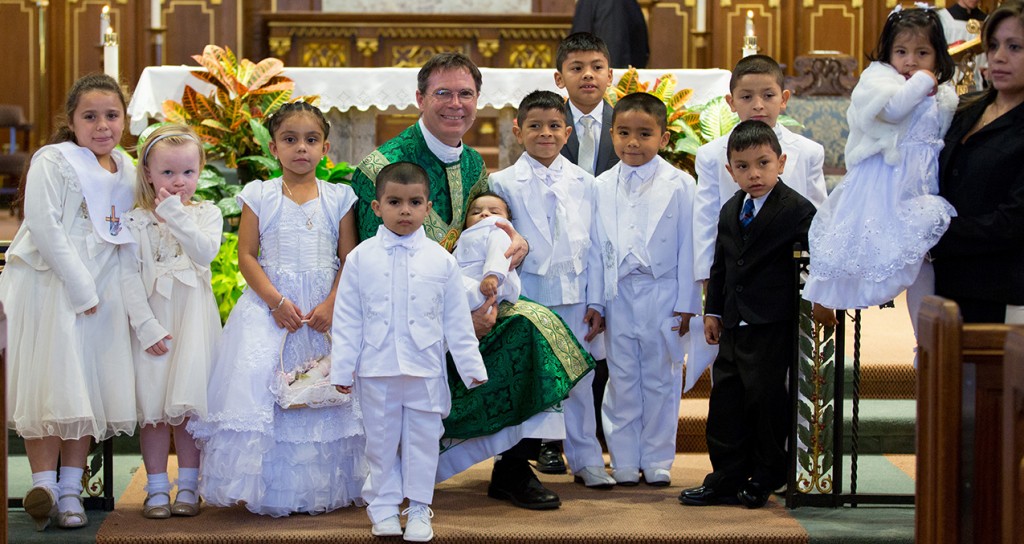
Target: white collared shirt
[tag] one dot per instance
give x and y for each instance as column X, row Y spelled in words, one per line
column 634, row 182
column 758, row 202
column 444, row 152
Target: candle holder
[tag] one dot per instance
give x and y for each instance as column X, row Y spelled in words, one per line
column 749, row 45
column 158, row 44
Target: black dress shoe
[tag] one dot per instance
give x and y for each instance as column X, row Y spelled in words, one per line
column 549, row 460
column 753, row 495
column 706, row 496
column 529, row 494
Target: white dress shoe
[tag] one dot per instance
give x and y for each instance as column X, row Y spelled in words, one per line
column 626, row 476
column 658, row 477
column 594, row 477
column 417, row 526
column 387, row 527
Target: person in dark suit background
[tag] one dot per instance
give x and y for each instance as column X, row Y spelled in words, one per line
column 621, row 24
column 751, row 313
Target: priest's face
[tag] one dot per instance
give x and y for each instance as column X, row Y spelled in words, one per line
column 449, row 105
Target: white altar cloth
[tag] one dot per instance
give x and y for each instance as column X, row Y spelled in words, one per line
column 393, row 88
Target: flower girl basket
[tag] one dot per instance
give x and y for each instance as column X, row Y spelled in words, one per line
column 309, row 385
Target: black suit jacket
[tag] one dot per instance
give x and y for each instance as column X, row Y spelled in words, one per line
column 752, row 276
column 621, row 24
column 981, row 256
column 606, row 157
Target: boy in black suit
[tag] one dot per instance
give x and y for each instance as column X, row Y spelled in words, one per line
column 750, row 311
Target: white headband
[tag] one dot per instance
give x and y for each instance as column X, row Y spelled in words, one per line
column 151, row 143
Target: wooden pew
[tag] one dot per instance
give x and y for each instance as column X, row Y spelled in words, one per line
column 1013, row 443
column 959, row 437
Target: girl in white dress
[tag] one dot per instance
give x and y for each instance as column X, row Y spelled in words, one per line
column 177, row 240
column 69, row 363
column 294, row 235
column 869, row 239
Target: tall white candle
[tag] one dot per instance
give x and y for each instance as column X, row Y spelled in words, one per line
column 104, row 22
column 750, row 23
column 154, row 14
column 110, row 52
column 702, row 15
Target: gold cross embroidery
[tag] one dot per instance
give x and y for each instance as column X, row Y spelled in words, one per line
column 114, row 220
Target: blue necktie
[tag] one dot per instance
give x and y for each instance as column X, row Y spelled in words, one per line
column 747, row 215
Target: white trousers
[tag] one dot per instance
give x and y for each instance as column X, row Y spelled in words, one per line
column 403, row 429
column 640, row 411
column 582, row 448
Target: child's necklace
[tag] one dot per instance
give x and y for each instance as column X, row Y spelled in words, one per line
column 309, row 218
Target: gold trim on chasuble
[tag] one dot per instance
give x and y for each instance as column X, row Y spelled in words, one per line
column 557, row 335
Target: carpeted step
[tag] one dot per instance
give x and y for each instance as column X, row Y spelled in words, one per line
column 884, row 426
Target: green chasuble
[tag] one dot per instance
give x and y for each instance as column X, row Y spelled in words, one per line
column 452, row 186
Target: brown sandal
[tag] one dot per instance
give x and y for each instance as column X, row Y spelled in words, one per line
column 41, row 504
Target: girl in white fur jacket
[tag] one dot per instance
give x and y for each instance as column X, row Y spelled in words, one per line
column 870, row 238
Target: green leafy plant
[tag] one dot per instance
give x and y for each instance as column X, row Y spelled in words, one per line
column 227, row 281
column 230, row 119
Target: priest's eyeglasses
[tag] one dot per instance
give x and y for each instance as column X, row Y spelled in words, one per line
column 446, row 95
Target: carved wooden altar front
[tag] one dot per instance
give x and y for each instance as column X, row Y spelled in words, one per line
column 319, row 40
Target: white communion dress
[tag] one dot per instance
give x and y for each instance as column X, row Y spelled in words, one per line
column 281, row 461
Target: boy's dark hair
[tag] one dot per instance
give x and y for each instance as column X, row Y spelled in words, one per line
column 755, row 65
column 292, row 109
column 925, row 22
column 481, row 195
column 443, row 62
column 402, row 173
column 752, row 133
column 645, row 102
column 539, row 100
column 580, row 41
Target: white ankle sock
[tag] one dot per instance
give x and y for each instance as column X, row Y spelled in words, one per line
column 158, row 483
column 70, row 484
column 47, row 479
column 188, row 480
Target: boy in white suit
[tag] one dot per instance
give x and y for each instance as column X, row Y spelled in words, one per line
column 755, row 92
column 552, row 204
column 644, row 207
column 400, row 302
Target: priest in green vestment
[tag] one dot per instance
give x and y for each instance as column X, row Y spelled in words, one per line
column 531, row 356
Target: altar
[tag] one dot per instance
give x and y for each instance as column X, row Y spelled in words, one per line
column 352, row 98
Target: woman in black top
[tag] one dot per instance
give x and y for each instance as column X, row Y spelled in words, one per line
column 979, row 262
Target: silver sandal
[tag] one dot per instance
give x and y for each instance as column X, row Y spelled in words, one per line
column 72, row 520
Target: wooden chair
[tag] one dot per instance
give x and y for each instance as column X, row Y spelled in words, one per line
column 14, row 159
column 1013, row 439
column 959, row 436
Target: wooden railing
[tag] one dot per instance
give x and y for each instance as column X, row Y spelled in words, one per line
column 960, row 430
column 1013, row 438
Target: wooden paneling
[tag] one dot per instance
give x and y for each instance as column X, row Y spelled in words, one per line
column 346, row 39
column 20, row 84
column 191, row 24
